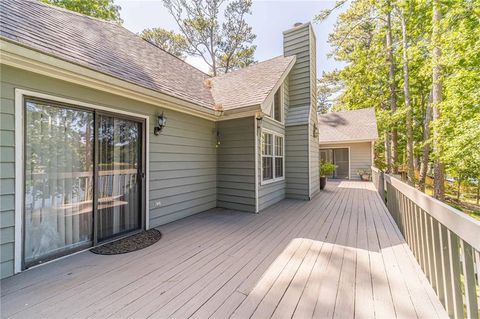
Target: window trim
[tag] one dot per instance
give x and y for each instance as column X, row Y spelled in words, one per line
column 20, row 96
column 282, row 103
column 274, row 179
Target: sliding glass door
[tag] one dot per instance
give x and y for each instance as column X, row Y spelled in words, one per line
column 119, row 181
column 58, row 180
column 83, row 178
column 339, row 157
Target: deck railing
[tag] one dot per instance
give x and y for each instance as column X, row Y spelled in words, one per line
column 444, row 240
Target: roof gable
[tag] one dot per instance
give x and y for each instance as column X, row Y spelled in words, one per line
column 251, row 85
column 348, row 126
column 108, row 48
column 103, row 46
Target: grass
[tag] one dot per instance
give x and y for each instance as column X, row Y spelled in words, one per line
column 465, row 205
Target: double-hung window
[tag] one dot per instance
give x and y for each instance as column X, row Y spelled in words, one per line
column 272, row 157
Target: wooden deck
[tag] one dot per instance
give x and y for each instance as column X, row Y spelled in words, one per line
column 339, row 255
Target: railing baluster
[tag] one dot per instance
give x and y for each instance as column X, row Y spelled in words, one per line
column 445, row 242
column 469, row 280
column 447, row 271
column 425, row 243
column 418, row 226
column 437, row 255
column 456, row 275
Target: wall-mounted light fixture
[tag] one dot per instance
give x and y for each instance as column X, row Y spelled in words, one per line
column 259, row 118
column 315, row 130
column 161, row 122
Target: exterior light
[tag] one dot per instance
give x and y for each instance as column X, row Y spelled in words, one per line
column 315, row 130
column 161, row 122
column 259, row 118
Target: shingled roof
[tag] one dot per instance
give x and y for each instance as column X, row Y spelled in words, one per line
column 348, row 126
column 102, row 46
column 251, row 85
column 109, row 48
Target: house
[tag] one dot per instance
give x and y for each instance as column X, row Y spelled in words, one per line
column 347, row 139
column 104, row 134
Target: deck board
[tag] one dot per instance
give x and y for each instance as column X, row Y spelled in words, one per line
column 339, row 255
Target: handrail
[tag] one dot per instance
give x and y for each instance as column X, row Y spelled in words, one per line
column 464, row 226
column 445, row 242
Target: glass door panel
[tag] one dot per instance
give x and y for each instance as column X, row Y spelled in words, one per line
column 58, row 180
column 326, row 156
column 119, row 182
column 340, row 156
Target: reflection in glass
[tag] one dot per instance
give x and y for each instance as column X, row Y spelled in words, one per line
column 118, row 184
column 58, row 180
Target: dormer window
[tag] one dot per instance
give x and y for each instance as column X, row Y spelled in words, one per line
column 277, row 107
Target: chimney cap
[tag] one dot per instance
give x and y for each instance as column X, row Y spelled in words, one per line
column 297, row 24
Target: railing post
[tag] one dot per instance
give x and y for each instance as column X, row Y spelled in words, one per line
column 381, row 185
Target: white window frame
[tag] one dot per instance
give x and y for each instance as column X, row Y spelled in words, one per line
column 282, row 106
column 274, row 179
column 20, row 95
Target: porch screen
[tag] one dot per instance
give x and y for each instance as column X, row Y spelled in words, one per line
column 58, row 179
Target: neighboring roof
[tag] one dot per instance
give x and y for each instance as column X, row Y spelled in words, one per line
column 249, row 86
column 348, row 126
column 103, row 46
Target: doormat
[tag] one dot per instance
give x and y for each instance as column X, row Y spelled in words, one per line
column 129, row 244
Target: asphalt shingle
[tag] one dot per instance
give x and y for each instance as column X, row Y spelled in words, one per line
column 356, row 125
column 102, row 46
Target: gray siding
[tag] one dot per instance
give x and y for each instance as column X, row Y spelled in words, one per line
column 296, row 162
column 314, row 156
column 236, row 164
column 7, row 181
column 360, row 156
column 182, row 159
column 271, row 193
column 301, row 146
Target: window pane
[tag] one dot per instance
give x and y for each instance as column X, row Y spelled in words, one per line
column 267, row 147
column 267, row 168
column 278, row 167
column 58, row 180
column 278, row 146
column 277, row 106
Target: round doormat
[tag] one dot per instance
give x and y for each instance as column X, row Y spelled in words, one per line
column 129, row 244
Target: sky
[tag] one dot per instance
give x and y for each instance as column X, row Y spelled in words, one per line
column 268, row 20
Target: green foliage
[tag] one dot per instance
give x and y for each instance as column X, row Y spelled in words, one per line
column 223, row 42
column 327, row 168
column 328, row 88
column 359, row 40
column 102, row 9
column 169, row 41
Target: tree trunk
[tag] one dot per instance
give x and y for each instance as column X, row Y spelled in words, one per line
column 388, row 154
column 458, row 188
column 426, row 147
column 438, row 170
column 478, row 190
column 408, row 105
column 393, row 93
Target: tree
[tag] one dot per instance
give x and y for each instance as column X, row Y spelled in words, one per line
column 169, row 41
column 408, row 105
column 438, row 169
column 102, row 9
column 393, row 87
column 223, row 46
column 328, row 88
